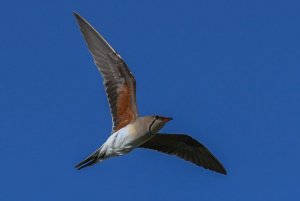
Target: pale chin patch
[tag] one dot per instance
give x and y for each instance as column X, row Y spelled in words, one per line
column 157, row 128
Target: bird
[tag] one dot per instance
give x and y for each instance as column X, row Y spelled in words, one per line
column 130, row 130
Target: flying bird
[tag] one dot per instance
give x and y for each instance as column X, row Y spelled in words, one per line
column 130, row 130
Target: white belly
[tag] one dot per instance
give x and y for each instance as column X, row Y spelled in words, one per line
column 123, row 141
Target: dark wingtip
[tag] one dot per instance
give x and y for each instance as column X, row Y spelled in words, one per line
column 220, row 168
column 222, row 171
column 216, row 165
column 77, row 16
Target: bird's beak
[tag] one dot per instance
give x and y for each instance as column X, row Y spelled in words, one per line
column 166, row 119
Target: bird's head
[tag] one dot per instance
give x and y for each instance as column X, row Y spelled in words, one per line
column 155, row 123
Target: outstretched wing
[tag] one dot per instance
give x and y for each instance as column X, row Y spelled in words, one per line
column 118, row 81
column 186, row 148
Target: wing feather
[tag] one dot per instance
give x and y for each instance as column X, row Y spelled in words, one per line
column 186, row 148
column 119, row 83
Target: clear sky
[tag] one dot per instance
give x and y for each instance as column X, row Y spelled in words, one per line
column 228, row 72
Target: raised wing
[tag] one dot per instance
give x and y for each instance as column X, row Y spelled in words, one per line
column 186, row 148
column 118, row 81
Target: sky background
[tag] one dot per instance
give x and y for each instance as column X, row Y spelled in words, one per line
column 228, row 72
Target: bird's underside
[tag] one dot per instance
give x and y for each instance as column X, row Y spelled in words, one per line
column 130, row 130
column 182, row 146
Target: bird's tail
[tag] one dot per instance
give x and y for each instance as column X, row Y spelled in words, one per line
column 91, row 160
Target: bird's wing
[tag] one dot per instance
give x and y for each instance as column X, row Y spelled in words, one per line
column 118, row 81
column 186, row 148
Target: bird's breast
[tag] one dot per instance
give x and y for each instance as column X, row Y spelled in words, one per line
column 126, row 139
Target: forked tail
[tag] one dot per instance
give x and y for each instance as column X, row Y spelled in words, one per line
column 91, row 160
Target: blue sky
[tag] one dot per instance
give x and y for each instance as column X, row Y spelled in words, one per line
column 228, row 72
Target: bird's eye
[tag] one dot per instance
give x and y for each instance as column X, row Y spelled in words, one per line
column 156, row 117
